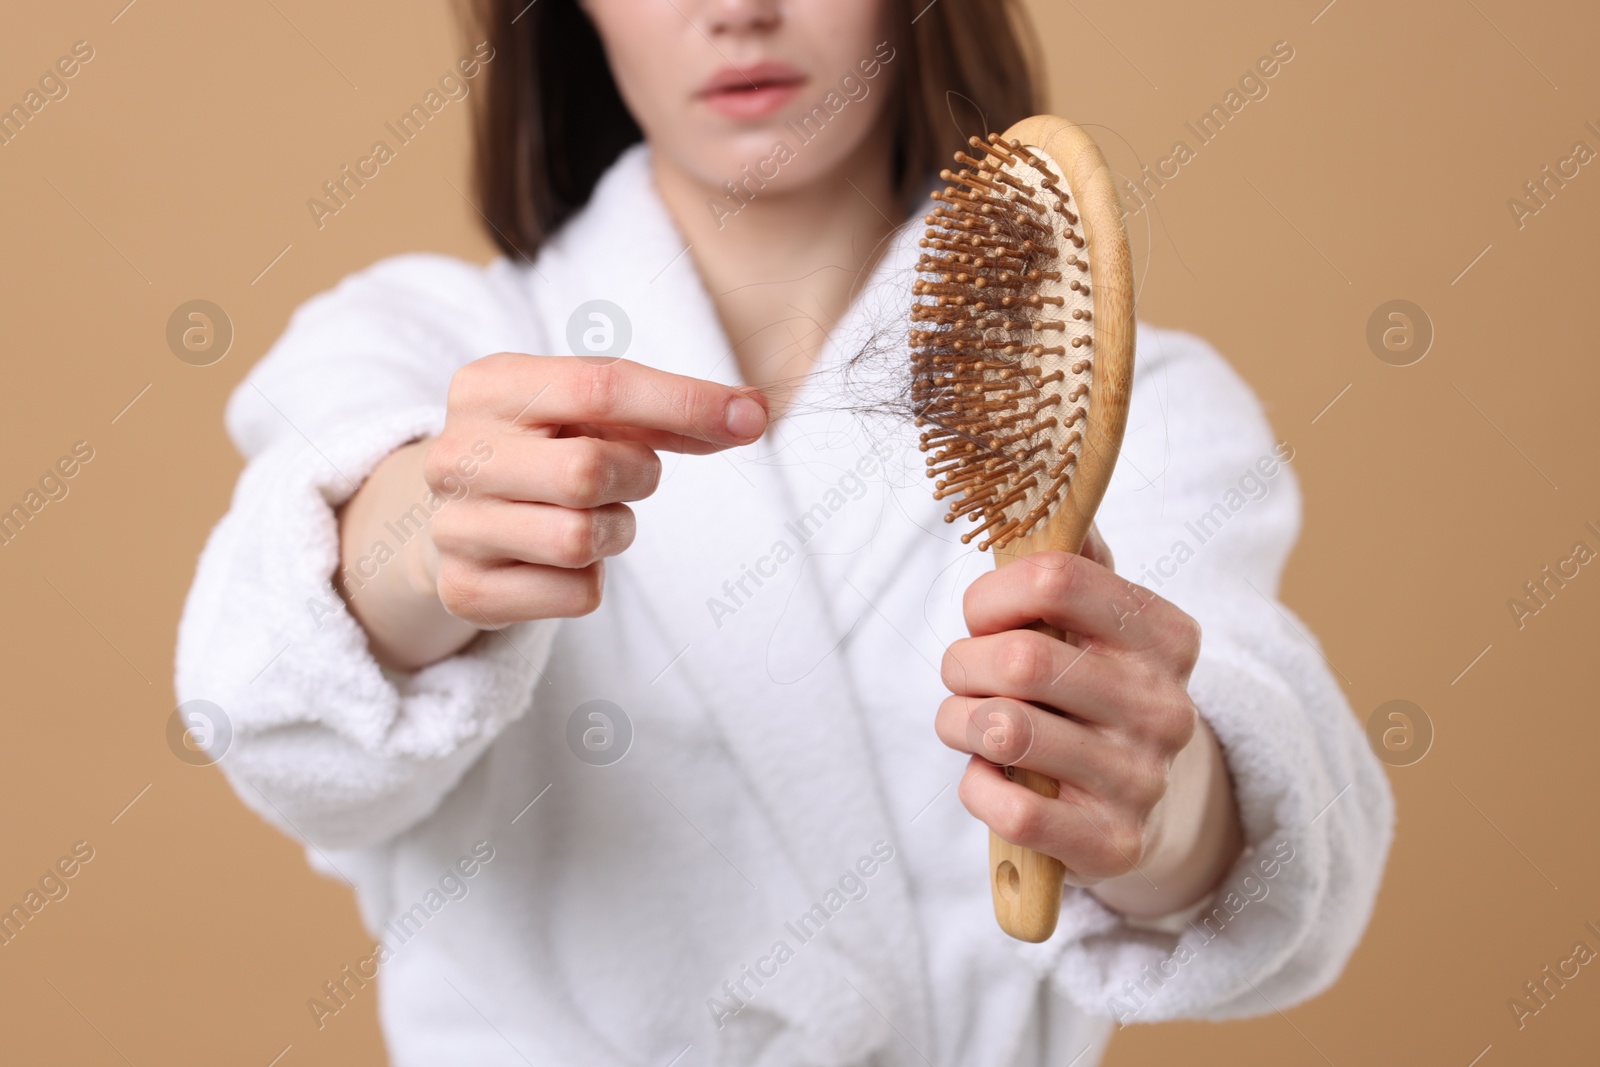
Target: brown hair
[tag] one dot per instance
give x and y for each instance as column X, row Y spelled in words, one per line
column 550, row 121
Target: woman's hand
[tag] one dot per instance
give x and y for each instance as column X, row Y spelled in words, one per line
column 1146, row 814
column 536, row 463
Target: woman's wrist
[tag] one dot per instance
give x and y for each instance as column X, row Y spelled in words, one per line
column 392, row 590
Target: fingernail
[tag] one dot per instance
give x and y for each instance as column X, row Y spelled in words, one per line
column 745, row 417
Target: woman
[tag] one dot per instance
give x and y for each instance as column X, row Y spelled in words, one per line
column 631, row 703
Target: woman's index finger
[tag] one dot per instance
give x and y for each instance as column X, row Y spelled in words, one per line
column 620, row 393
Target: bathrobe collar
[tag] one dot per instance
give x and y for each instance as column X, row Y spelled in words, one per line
column 766, row 657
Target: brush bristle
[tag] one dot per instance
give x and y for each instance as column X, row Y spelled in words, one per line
column 1001, row 340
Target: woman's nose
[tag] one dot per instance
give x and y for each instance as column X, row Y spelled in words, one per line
column 742, row 16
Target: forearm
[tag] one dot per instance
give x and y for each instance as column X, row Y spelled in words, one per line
column 395, row 598
column 1196, row 837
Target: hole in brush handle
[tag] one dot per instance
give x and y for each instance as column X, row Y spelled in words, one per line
column 1008, row 880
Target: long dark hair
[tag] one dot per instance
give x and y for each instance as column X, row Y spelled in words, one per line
column 550, row 121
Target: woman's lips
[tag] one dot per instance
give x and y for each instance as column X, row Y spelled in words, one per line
column 752, row 92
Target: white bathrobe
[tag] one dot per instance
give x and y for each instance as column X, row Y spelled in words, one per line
column 778, row 870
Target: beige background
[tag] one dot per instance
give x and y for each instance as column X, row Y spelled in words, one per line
column 1378, row 168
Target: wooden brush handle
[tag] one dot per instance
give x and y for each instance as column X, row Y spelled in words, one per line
column 1026, row 885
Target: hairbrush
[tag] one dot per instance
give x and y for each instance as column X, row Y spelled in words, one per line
column 1022, row 340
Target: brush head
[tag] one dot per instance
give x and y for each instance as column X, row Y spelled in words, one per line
column 1008, row 352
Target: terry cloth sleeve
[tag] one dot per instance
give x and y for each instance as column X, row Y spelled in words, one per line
column 1204, row 510
column 326, row 744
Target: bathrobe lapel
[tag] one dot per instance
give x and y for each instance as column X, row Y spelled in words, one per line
column 720, row 561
